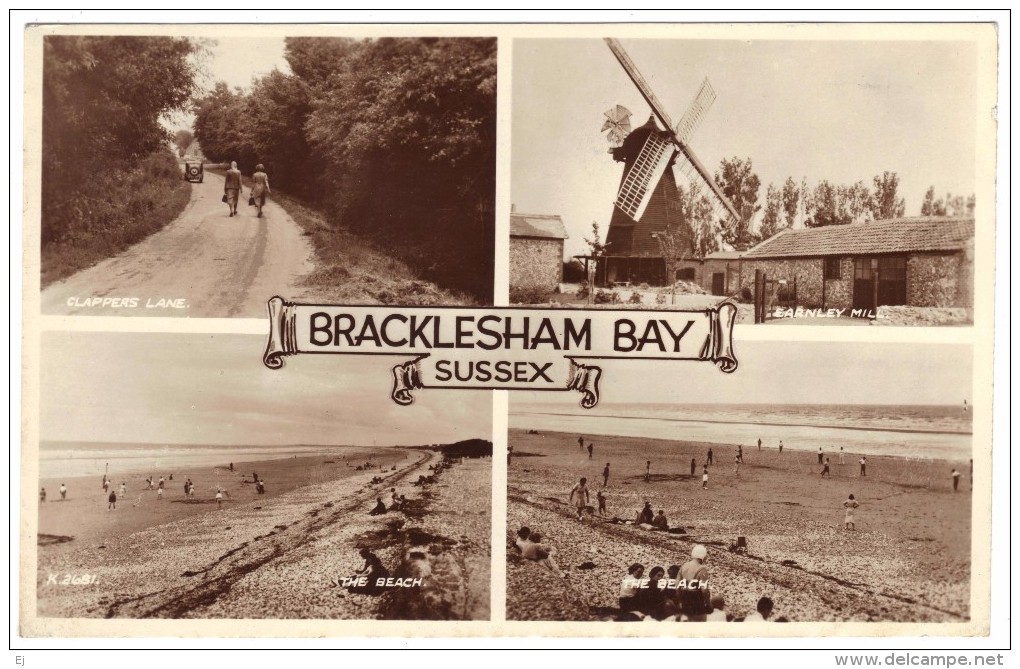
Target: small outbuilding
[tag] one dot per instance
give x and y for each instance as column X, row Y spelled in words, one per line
column 536, row 251
column 920, row 262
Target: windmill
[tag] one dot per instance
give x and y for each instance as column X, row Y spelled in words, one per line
column 647, row 201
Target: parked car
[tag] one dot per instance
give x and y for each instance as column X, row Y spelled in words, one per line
column 193, row 172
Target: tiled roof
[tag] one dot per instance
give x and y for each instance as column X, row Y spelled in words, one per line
column 896, row 235
column 724, row 255
column 537, row 225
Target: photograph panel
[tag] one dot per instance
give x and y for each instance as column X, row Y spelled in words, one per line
column 200, row 174
column 815, row 181
column 180, row 478
column 824, row 481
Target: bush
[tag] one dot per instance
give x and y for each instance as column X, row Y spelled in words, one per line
column 635, row 298
column 644, row 286
column 660, row 298
column 573, row 271
column 582, row 292
column 607, row 297
column 528, row 295
column 746, row 295
column 120, row 208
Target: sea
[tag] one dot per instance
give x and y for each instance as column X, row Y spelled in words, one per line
column 71, row 459
column 911, row 431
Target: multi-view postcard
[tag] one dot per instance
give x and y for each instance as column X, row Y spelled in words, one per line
column 505, row 330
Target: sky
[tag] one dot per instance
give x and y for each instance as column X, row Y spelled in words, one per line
column 838, row 110
column 214, row 389
column 792, row 372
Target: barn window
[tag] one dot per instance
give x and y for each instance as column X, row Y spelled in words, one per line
column 832, row 268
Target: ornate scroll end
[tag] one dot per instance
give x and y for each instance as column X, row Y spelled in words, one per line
column 406, row 377
column 282, row 333
column 585, row 379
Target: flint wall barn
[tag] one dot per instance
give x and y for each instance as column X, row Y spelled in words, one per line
column 536, row 251
column 920, row 262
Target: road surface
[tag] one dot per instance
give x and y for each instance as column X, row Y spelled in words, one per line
column 203, row 264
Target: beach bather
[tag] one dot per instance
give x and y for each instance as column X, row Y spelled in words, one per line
column 630, row 586
column 602, row 502
column 530, row 545
column 825, row 470
column 63, row 491
column 579, row 497
column 370, row 573
column 660, row 522
column 605, row 476
column 850, row 505
column 764, row 610
column 379, row 508
column 695, row 600
column 645, row 516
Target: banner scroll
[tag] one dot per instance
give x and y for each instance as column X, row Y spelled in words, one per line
column 506, row 348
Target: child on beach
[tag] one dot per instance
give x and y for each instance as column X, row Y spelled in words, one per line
column 825, row 470
column 579, row 497
column 602, row 502
column 219, row 497
column 159, row 494
column 63, row 491
column 848, row 520
column 704, row 477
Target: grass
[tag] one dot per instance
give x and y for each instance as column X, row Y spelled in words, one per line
column 122, row 208
column 353, row 270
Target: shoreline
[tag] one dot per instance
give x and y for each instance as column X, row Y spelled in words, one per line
column 278, row 556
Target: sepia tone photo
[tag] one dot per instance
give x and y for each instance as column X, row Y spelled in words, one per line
column 813, row 182
column 179, row 478
column 822, row 482
column 199, row 176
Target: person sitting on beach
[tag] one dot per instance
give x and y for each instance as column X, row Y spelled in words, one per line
column 579, row 497
column 660, row 522
column 393, row 498
column 371, row 572
column 379, row 508
column 630, row 586
column 602, row 502
column 651, row 599
column 718, row 614
column 695, row 598
column 645, row 516
column 764, row 610
column 531, row 548
column 848, row 520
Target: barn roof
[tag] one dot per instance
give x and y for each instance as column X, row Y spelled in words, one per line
column 724, row 255
column 549, row 226
column 895, row 235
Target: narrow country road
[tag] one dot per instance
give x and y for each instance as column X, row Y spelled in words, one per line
column 203, row 264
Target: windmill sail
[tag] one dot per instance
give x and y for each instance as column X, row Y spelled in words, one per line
column 637, row 187
column 695, row 113
column 660, row 112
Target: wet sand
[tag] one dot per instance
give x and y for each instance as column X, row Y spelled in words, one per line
column 909, row 559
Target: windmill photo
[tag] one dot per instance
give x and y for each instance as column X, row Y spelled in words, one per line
column 647, row 201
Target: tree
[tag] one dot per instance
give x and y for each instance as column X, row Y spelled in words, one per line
column 183, row 139
column 971, row 203
column 597, row 250
column 928, row 205
column 770, row 222
column 740, row 184
column 824, row 206
column 854, row 203
column 791, row 197
column 675, row 246
column 696, row 214
column 102, row 102
column 885, row 202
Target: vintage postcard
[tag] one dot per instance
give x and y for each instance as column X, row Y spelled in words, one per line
column 717, row 297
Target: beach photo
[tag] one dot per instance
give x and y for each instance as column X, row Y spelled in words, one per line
column 197, row 171
column 822, row 482
column 179, row 478
column 819, row 181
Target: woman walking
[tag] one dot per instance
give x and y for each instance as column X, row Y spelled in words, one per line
column 260, row 188
column 232, row 187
